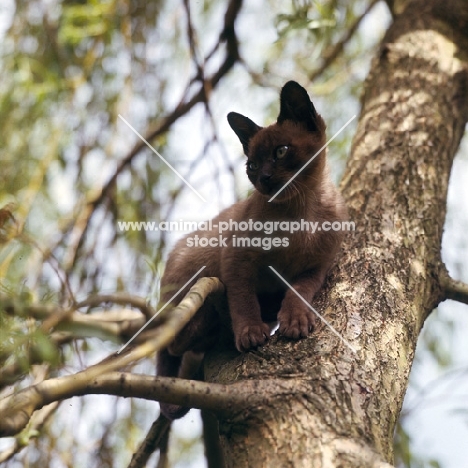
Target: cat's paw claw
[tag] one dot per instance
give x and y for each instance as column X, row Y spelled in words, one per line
column 297, row 324
column 252, row 336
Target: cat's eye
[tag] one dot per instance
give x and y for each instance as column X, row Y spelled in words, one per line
column 281, row 151
column 252, row 166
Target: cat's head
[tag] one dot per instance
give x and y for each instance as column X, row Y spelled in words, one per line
column 276, row 153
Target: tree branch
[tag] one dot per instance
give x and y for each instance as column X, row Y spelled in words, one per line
column 121, row 299
column 18, row 408
column 61, row 315
column 227, row 399
column 114, row 325
column 337, row 49
column 453, row 289
column 45, row 311
column 125, row 329
column 32, row 430
column 156, row 435
column 65, row 324
column 36, row 423
column 227, row 35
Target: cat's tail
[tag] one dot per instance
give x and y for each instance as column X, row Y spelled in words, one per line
column 169, row 366
column 185, row 367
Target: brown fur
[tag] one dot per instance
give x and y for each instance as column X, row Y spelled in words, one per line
column 254, row 293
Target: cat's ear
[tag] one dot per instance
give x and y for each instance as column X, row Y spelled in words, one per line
column 243, row 127
column 296, row 105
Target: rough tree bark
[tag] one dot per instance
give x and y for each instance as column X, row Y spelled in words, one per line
column 343, row 407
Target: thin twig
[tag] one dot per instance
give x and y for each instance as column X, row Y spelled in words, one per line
column 338, row 48
column 118, row 298
column 155, row 436
column 227, row 35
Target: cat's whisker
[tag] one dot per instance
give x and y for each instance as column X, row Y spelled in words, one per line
column 290, row 194
column 312, row 194
column 301, row 191
column 296, row 187
column 302, row 188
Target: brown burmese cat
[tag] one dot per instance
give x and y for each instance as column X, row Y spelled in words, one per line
column 254, row 292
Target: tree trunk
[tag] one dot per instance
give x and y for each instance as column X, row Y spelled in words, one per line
column 344, row 405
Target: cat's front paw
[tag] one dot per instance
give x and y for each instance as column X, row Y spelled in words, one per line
column 251, row 336
column 296, row 322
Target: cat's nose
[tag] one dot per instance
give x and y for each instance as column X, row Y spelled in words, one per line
column 265, row 179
